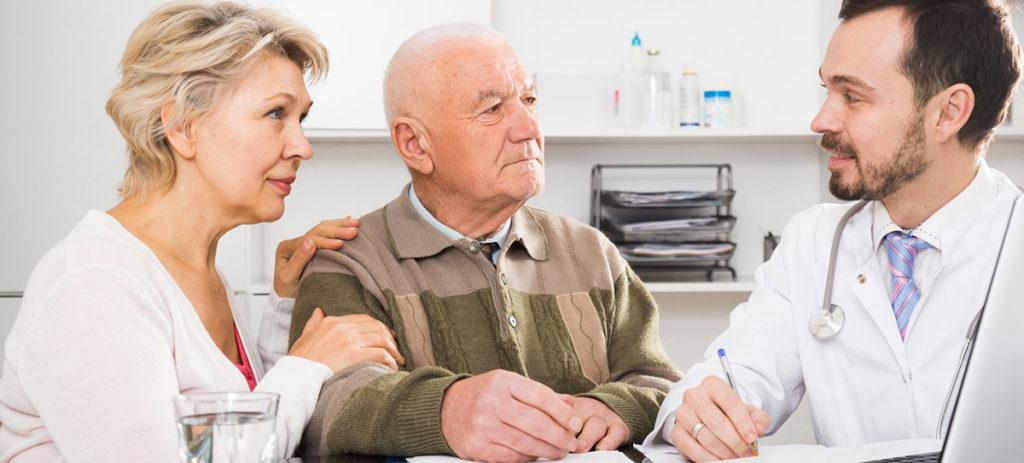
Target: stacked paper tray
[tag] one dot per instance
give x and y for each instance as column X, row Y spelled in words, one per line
column 655, row 254
column 679, row 198
column 700, row 229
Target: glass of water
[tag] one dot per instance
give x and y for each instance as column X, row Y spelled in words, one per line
column 222, row 427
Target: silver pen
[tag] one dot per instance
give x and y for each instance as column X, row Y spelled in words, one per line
column 732, row 384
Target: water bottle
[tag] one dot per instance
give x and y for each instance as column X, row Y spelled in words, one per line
column 629, row 98
column 657, row 105
column 689, row 98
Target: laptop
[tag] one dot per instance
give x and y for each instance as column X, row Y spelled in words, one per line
column 985, row 425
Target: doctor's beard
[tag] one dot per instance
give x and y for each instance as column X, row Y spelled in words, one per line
column 875, row 182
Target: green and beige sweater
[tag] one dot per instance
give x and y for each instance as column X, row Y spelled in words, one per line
column 560, row 307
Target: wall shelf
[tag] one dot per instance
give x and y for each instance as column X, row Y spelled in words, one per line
column 696, row 134
column 740, row 135
column 1015, row 134
column 743, row 285
column 348, row 135
column 737, row 135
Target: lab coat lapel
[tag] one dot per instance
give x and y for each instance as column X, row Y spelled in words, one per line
column 873, row 294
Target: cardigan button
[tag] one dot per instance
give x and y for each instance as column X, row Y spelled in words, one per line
column 512, row 321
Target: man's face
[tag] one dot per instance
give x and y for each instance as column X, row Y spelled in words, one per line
column 483, row 128
column 869, row 122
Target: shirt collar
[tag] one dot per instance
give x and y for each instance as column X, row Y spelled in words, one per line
column 978, row 193
column 498, row 238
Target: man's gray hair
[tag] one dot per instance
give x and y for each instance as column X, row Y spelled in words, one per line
column 418, row 46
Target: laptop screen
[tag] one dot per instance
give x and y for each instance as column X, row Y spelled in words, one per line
column 986, row 421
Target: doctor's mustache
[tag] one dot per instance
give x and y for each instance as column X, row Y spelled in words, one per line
column 830, row 142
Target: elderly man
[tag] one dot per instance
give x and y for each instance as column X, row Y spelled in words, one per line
column 525, row 333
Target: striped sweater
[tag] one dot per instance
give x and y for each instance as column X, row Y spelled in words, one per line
column 560, row 307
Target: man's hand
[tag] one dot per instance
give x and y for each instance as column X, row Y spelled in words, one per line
column 340, row 342
column 729, row 427
column 603, row 429
column 500, row 416
column 293, row 255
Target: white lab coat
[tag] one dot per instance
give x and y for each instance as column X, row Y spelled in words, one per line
column 865, row 384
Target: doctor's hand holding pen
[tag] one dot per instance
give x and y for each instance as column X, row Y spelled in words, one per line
column 714, row 424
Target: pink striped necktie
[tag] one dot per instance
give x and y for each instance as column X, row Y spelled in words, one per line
column 902, row 249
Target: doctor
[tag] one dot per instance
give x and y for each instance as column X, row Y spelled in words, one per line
column 915, row 90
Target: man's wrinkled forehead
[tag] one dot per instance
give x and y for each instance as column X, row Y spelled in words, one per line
column 482, row 65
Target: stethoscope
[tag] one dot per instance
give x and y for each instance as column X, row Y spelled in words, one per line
column 829, row 319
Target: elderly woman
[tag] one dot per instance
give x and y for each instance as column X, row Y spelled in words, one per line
column 129, row 309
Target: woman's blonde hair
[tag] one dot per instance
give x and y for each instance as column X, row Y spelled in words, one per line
column 194, row 54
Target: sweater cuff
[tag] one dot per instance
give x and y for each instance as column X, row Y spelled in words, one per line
column 419, row 425
column 395, row 415
column 616, row 397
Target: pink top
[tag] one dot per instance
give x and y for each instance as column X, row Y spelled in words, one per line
column 244, row 367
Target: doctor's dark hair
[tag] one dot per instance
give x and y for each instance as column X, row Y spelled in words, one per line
column 957, row 41
column 189, row 57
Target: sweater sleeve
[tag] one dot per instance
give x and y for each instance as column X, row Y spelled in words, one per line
column 368, row 408
column 640, row 370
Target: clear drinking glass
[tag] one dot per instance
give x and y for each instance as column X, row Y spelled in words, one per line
column 221, row 427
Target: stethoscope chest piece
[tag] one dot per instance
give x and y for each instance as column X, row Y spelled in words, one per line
column 826, row 323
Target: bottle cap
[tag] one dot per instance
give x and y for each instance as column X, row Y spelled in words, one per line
column 636, row 39
column 717, row 94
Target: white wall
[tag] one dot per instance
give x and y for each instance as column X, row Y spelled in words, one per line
column 61, row 155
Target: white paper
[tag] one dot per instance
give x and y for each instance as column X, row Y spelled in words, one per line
column 603, row 456
column 813, row 453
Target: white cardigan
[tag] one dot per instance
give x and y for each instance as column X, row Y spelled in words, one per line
column 104, row 339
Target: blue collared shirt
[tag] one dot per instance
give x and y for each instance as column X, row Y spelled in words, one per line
column 498, row 239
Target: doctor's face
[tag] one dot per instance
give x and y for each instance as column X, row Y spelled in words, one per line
column 870, row 125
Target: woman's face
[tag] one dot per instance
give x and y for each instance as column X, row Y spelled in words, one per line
column 248, row 150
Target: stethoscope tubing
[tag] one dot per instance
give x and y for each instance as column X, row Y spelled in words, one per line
column 829, row 312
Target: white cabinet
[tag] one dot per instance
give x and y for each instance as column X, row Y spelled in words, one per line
column 361, row 36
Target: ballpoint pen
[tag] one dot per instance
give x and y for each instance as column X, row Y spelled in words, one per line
column 732, row 384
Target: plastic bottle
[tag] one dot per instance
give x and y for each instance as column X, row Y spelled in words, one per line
column 657, row 106
column 690, row 114
column 717, row 109
column 632, row 79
